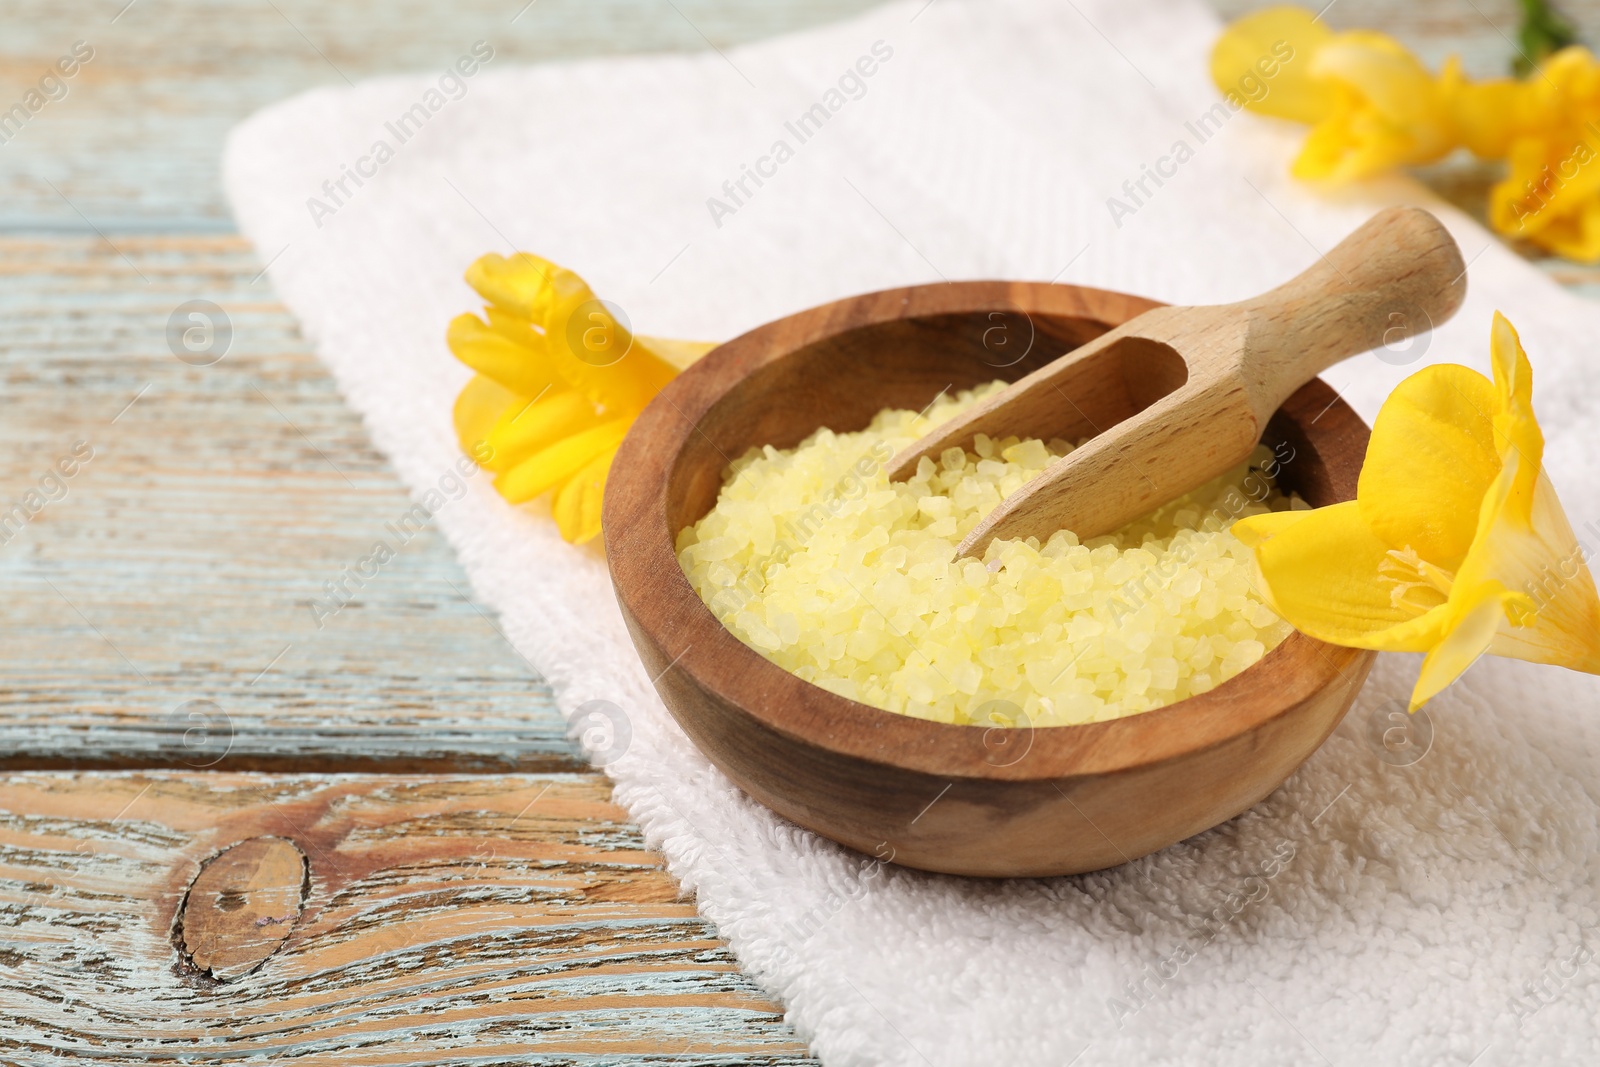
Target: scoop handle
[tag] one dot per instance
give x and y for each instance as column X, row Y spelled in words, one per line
column 1397, row 276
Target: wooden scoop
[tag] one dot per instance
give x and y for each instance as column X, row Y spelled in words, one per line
column 1192, row 387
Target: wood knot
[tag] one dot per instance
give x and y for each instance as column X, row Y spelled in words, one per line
column 242, row 906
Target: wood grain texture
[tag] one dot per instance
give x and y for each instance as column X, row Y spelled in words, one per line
column 448, row 920
column 242, row 907
column 957, row 799
column 134, row 146
column 1180, row 395
column 182, row 560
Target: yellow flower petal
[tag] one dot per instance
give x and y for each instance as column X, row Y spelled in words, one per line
column 489, row 352
column 560, row 380
column 577, row 506
column 1273, row 48
column 1391, row 111
column 1431, row 458
column 1380, row 69
column 1572, row 233
column 1525, row 543
column 535, row 425
column 1429, row 558
column 1516, row 429
column 546, row 469
column 1468, row 637
column 1555, row 617
column 1320, row 573
column 596, row 355
column 1563, row 95
column 478, row 408
column 676, row 354
column 516, row 329
column 1551, row 193
column 1487, row 114
column 1257, row 528
column 518, row 284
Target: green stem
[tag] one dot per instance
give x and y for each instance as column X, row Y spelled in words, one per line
column 1542, row 33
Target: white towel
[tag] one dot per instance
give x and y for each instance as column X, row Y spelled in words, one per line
column 1368, row 911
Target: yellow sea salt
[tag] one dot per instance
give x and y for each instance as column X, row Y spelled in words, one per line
column 812, row 557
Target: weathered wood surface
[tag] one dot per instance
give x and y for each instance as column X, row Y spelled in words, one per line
column 242, row 907
column 182, row 561
column 447, row 920
column 135, row 143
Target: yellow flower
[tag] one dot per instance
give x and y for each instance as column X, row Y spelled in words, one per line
column 1390, row 111
column 560, row 379
column 1551, row 194
column 1374, row 105
column 1455, row 544
column 1263, row 61
column 1488, row 115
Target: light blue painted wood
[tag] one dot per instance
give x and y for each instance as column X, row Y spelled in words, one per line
column 135, row 142
column 183, row 560
column 446, row 920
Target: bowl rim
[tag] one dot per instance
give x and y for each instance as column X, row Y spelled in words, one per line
column 655, row 594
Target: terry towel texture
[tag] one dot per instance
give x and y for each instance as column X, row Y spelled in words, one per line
column 1368, row 911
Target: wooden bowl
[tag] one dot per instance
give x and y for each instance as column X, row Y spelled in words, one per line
column 959, row 799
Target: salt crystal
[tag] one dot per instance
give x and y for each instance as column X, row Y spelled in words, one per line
column 860, row 592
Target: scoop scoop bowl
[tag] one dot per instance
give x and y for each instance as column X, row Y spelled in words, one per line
column 961, row 799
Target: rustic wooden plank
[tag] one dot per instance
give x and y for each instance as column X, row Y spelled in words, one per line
column 241, row 907
column 448, row 920
column 182, row 563
column 134, row 144
column 182, row 560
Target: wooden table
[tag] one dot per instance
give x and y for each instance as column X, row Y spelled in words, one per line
column 196, row 774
